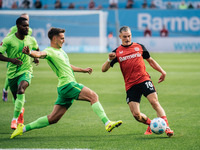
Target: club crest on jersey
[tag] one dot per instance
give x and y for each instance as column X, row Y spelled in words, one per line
column 136, row 48
column 120, row 52
column 1, row 43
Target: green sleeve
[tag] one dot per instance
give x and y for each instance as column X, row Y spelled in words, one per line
column 35, row 44
column 12, row 30
column 49, row 53
column 3, row 46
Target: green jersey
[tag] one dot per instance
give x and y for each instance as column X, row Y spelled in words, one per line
column 59, row 63
column 13, row 47
column 14, row 30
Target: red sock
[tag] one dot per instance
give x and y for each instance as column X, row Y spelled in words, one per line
column 148, row 121
column 165, row 118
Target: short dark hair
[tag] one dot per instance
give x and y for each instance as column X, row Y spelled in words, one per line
column 124, row 28
column 20, row 20
column 54, row 32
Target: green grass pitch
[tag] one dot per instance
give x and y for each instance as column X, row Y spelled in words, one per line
column 80, row 127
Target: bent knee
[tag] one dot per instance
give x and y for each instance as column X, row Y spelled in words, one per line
column 93, row 97
column 53, row 120
column 20, row 91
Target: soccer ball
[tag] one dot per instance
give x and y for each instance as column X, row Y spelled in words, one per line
column 158, row 125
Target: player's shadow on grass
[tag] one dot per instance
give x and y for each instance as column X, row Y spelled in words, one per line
column 95, row 138
column 5, row 132
column 150, row 137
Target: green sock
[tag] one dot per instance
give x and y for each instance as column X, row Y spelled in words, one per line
column 19, row 103
column 39, row 123
column 98, row 109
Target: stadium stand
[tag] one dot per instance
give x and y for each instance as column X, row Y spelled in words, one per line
column 104, row 4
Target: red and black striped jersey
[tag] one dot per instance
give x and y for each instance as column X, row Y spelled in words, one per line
column 132, row 64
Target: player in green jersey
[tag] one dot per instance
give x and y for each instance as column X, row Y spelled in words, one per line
column 68, row 89
column 20, row 69
column 12, row 31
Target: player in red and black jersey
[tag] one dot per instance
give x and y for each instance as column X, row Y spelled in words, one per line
column 131, row 57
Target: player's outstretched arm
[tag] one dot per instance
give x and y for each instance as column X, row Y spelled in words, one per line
column 157, row 67
column 34, row 54
column 78, row 69
column 106, row 65
column 15, row 61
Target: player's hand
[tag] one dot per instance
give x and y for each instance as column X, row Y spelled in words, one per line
column 112, row 56
column 26, row 50
column 88, row 70
column 162, row 77
column 36, row 61
column 16, row 61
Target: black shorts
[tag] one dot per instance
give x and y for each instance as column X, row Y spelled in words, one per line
column 135, row 92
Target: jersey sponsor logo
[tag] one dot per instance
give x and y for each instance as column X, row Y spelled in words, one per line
column 129, row 57
column 136, row 48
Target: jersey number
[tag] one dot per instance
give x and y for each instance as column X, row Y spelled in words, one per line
column 149, row 85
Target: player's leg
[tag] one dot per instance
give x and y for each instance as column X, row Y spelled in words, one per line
column 149, row 92
column 140, row 117
column 19, row 103
column 133, row 99
column 56, row 114
column 21, row 100
column 23, row 82
column 89, row 95
column 54, row 117
column 135, row 110
column 153, row 99
column 61, row 105
column 14, row 94
column 13, row 88
column 5, row 90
